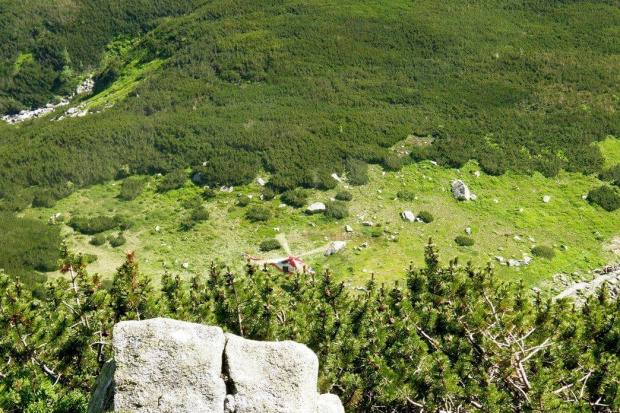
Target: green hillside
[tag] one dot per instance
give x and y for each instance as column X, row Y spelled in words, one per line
column 296, row 88
column 371, row 107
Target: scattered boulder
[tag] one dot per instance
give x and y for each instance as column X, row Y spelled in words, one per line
column 261, row 181
column 367, row 224
column 335, row 247
column 477, row 174
column 348, row 228
column 460, row 191
column 225, row 188
column 468, row 231
column 518, row 263
column 408, row 216
column 185, row 265
column 546, row 199
column 336, row 177
column 316, row 208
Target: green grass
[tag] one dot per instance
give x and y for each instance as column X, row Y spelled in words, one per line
column 610, row 148
column 509, row 210
column 21, row 59
column 133, row 74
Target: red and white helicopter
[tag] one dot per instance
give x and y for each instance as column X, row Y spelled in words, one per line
column 287, row 265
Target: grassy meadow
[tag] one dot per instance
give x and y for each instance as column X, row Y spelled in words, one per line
column 508, row 218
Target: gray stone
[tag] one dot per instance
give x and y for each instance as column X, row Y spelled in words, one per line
column 335, row 247
column 546, row 199
column 468, row 230
column 330, row 403
column 367, row 224
column 229, row 404
column 408, row 216
column 174, row 366
column 348, row 228
column 460, row 191
column 316, row 208
column 261, row 181
column 168, row 365
column 272, row 377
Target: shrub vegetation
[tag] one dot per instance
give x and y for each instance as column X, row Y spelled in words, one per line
column 230, row 110
column 117, row 241
column 426, row 217
column 94, row 225
column 449, row 334
column 199, row 214
column 258, row 213
column 406, row 195
column 173, row 180
column 27, row 248
column 336, row 210
column 97, row 240
column 131, row 188
column 269, row 245
column 464, row 241
column 543, row 251
column 606, row 197
column 295, row 198
column 344, row 196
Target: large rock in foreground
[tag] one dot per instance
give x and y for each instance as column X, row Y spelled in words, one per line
column 272, row 377
column 168, row 365
column 163, row 365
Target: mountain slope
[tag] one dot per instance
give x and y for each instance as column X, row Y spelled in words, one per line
column 296, row 89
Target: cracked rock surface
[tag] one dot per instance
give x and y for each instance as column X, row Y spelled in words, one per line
column 173, row 366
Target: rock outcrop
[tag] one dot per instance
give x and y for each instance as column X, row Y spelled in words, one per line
column 24, row 115
column 175, row 366
column 271, row 376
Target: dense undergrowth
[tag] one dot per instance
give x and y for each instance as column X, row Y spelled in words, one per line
column 443, row 337
column 297, row 89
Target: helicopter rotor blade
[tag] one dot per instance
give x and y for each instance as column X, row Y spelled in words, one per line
column 318, row 250
column 281, row 238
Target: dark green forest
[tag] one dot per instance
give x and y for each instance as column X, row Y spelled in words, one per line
column 444, row 337
column 45, row 45
column 298, row 88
